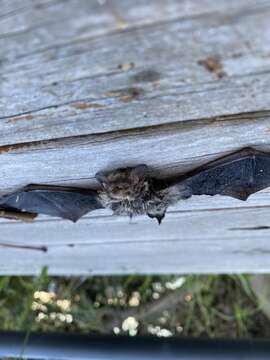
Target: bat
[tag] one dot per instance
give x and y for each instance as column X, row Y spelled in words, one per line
column 132, row 191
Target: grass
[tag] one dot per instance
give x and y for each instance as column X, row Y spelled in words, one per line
column 201, row 306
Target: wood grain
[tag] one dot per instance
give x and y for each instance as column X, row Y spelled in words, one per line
column 94, row 85
column 166, row 149
column 53, row 87
column 229, row 240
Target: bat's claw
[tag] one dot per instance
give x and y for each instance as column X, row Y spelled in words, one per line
column 158, row 217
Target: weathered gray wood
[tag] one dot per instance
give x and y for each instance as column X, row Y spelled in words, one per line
column 168, row 150
column 75, row 87
column 29, row 19
column 92, row 85
column 202, row 241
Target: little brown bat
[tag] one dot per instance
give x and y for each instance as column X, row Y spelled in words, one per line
column 132, row 191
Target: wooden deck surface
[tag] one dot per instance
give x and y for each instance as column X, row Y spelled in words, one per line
column 89, row 85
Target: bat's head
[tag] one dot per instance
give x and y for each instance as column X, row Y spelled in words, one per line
column 156, row 208
column 125, row 184
column 160, row 200
column 158, row 216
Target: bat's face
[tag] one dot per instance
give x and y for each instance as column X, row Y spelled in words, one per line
column 125, row 191
column 125, row 184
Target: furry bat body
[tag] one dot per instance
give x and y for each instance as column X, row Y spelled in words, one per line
column 131, row 191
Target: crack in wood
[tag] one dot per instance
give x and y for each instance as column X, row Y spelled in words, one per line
column 250, row 228
column 147, row 130
column 24, row 247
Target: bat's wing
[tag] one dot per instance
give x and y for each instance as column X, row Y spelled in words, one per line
column 237, row 175
column 65, row 202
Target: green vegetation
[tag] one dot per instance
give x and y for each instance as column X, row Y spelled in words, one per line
column 210, row 306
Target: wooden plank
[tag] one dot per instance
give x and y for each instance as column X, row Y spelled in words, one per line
column 82, row 86
column 232, row 232
column 186, row 242
column 166, row 149
column 86, row 19
column 92, row 85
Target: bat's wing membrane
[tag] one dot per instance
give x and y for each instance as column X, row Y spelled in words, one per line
column 237, row 175
column 65, row 202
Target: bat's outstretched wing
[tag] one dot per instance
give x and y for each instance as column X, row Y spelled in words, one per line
column 65, row 202
column 237, row 175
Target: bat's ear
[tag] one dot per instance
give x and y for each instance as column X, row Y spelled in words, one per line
column 141, row 171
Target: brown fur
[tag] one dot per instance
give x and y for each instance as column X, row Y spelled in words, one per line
column 130, row 191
